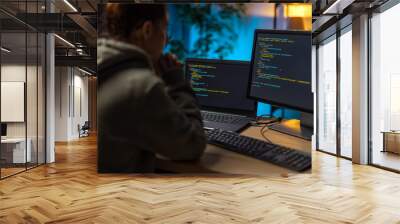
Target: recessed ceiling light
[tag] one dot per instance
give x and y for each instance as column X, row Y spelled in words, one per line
column 70, row 5
column 84, row 71
column 65, row 41
column 337, row 7
column 5, row 50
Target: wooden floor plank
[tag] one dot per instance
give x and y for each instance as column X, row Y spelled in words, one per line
column 71, row 191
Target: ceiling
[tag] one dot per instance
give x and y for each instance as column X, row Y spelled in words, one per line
column 76, row 22
column 328, row 13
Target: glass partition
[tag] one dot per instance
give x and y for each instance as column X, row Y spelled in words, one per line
column 31, row 100
column 22, row 88
column 15, row 150
column 327, row 95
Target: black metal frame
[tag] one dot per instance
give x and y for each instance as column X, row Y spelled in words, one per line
column 338, row 98
column 337, row 34
column 369, row 126
column 316, row 125
column 0, row 93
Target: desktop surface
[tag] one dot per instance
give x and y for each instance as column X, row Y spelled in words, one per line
column 218, row 160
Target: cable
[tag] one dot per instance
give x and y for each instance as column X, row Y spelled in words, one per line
column 262, row 116
column 262, row 130
column 267, row 122
column 266, row 126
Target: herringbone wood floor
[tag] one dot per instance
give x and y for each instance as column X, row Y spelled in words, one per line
column 70, row 191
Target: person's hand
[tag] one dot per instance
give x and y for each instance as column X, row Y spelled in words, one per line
column 169, row 62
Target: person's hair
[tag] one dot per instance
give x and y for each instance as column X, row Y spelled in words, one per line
column 122, row 19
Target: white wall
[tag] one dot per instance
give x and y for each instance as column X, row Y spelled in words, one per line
column 61, row 103
column 81, row 84
column 12, row 73
column 71, row 93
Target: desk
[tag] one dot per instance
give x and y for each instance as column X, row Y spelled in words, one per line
column 13, row 150
column 391, row 141
column 218, row 160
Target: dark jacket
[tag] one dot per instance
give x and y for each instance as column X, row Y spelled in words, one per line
column 140, row 114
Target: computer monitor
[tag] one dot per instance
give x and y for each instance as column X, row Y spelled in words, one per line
column 3, row 129
column 221, row 85
column 281, row 73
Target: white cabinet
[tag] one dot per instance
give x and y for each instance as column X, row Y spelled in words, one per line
column 17, row 147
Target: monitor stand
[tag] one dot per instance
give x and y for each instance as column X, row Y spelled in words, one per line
column 302, row 128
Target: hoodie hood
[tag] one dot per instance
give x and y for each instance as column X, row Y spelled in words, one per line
column 112, row 52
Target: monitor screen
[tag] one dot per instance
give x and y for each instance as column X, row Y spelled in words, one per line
column 281, row 69
column 220, row 84
column 3, row 129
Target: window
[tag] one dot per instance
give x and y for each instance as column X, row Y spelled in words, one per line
column 346, row 93
column 385, row 88
column 334, row 106
column 327, row 95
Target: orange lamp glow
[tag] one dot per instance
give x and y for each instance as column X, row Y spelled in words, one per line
column 299, row 10
column 293, row 124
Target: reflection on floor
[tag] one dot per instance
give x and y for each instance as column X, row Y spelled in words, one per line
column 387, row 159
column 10, row 169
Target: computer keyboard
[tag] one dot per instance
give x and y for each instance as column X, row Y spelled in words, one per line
column 279, row 155
column 222, row 117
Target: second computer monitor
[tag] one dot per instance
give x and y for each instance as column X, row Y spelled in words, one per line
column 3, row 129
column 221, row 84
column 281, row 69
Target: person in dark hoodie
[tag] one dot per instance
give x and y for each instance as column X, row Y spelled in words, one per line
column 145, row 107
